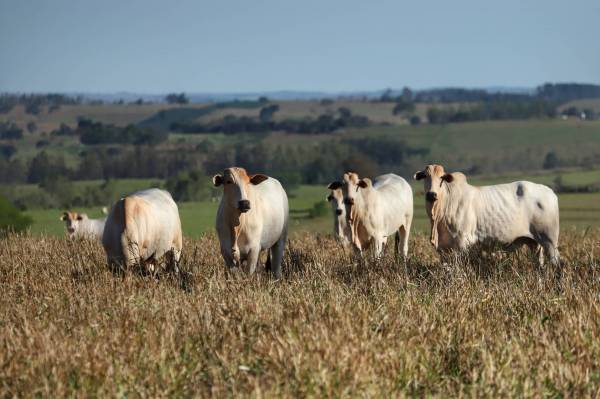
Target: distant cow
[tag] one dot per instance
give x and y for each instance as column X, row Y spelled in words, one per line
column 462, row 215
column 142, row 228
column 252, row 217
column 79, row 225
column 377, row 209
column 341, row 228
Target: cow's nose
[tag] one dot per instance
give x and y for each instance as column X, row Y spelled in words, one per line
column 71, row 230
column 338, row 212
column 431, row 196
column 244, row 206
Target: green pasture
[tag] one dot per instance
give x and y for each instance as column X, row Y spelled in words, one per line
column 576, row 210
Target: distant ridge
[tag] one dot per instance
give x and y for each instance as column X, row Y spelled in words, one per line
column 196, row 97
column 546, row 91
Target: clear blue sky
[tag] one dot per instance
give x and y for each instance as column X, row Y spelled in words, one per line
column 232, row 46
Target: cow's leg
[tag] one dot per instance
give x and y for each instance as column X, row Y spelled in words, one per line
column 539, row 251
column 176, row 253
column 268, row 266
column 402, row 234
column 172, row 260
column 551, row 252
column 228, row 258
column 379, row 246
column 277, row 256
column 252, row 259
column 115, row 265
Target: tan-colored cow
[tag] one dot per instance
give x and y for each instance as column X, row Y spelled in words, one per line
column 252, row 217
column 462, row 215
column 376, row 210
column 141, row 229
column 79, row 225
column 341, row 228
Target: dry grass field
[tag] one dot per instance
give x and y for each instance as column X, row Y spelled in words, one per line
column 334, row 326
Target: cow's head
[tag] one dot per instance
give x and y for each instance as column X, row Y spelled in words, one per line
column 349, row 187
column 433, row 177
column 235, row 182
column 336, row 200
column 72, row 221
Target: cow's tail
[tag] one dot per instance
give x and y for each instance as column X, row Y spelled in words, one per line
column 129, row 239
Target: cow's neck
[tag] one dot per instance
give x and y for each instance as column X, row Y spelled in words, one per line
column 237, row 221
column 445, row 213
column 339, row 224
column 360, row 212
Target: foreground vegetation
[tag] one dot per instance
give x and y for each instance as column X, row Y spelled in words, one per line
column 334, row 326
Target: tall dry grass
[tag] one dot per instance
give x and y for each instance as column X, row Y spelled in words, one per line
column 334, row 326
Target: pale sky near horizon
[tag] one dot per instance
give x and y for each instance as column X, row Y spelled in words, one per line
column 149, row 46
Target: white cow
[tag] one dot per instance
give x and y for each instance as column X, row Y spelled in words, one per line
column 252, row 217
column 462, row 215
column 79, row 225
column 142, row 228
column 376, row 210
column 341, row 228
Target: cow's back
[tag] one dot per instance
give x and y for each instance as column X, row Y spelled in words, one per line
column 508, row 211
column 274, row 210
column 156, row 217
column 395, row 200
column 147, row 219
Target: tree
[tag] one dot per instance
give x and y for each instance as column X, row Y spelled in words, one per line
column 189, row 186
column 7, row 151
column 345, row 112
column 31, row 127
column 174, row 98
column 403, row 106
column 10, row 131
column 386, row 96
column 43, row 167
column 11, row 219
column 551, row 161
column 266, row 113
column 407, row 94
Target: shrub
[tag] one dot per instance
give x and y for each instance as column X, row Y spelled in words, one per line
column 190, row 186
column 319, row 209
column 11, row 219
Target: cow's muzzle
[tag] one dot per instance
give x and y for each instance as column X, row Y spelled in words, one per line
column 71, row 230
column 244, row 206
column 431, row 196
column 338, row 212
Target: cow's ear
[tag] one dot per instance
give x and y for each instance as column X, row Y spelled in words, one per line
column 329, row 198
column 217, row 180
column 64, row 216
column 364, row 183
column 258, row 178
column 448, row 178
column 334, row 185
column 420, row 175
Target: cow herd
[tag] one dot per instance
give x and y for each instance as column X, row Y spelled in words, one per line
column 144, row 228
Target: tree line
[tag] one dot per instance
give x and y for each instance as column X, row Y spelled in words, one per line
column 232, row 124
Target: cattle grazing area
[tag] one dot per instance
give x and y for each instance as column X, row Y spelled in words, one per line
column 334, row 325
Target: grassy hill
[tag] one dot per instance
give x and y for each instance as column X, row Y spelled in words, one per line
column 490, row 152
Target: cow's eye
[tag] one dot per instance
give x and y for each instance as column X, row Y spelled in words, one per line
column 228, row 182
column 348, row 201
